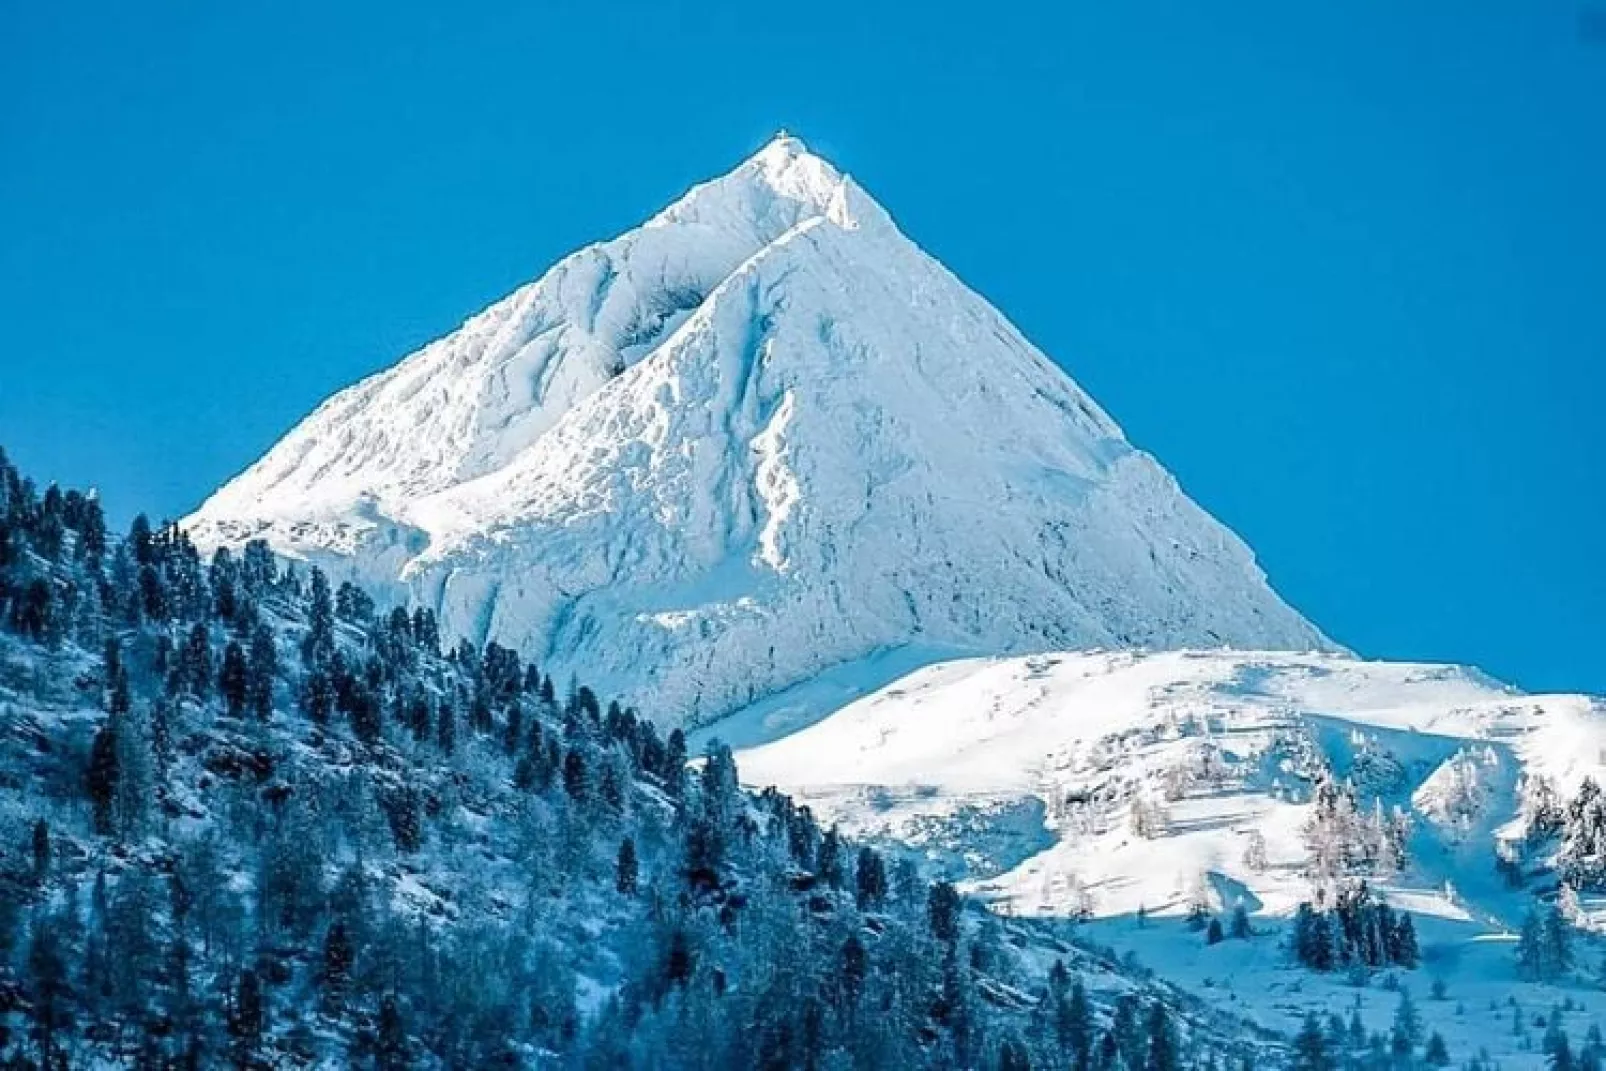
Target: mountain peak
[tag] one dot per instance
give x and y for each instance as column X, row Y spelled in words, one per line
column 783, row 145
column 782, row 182
column 762, row 435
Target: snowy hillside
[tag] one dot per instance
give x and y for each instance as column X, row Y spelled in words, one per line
column 1125, row 787
column 761, row 436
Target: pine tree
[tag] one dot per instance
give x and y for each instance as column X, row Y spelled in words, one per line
column 870, row 879
column 334, row 976
column 943, row 905
column 195, row 661
column 367, row 719
column 1436, row 1054
column 49, row 991
column 1407, row 1029
column 828, row 860
column 576, row 781
column 1403, row 948
column 1544, row 949
column 625, row 869
column 319, row 645
column 102, row 776
column 853, row 968
column 1012, row 1056
column 1557, row 935
column 1163, row 1046
column 446, row 729
column 41, row 851
column 139, row 540
column 1593, row 1050
column 263, row 665
column 674, row 771
column 1310, row 1047
column 247, row 1018
column 390, row 1037
column 233, row 679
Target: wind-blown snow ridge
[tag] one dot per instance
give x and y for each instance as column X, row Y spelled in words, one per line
column 759, row 436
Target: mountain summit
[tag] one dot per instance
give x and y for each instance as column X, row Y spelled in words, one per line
column 760, row 436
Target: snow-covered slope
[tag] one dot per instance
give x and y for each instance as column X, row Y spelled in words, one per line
column 760, row 436
column 1030, row 765
column 1022, row 775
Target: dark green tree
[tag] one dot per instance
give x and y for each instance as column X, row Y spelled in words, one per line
column 870, row 879
column 626, row 868
column 234, row 679
column 102, row 776
column 1310, row 1047
column 943, row 906
column 1164, row 1048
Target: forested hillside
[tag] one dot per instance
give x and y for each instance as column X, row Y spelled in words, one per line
column 250, row 820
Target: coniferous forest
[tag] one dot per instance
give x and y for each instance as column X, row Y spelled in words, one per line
column 249, row 818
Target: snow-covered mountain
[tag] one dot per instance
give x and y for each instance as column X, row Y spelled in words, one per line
column 1120, row 784
column 1058, row 747
column 760, row 436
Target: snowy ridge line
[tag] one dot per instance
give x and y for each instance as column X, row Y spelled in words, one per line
column 759, row 437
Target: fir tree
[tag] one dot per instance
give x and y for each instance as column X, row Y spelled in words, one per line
column 625, row 868
column 870, row 879
column 1163, row 1052
column 334, row 976
column 49, row 991
column 390, row 1037
column 1310, row 1047
column 446, row 729
column 40, row 843
column 943, row 905
column 102, row 776
column 1012, row 1056
column 195, row 661
column 1407, row 1028
column 247, row 1018
column 576, row 781
column 263, row 664
column 233, row 679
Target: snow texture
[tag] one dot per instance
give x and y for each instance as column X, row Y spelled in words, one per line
column 1021, row 776
column 761, row 436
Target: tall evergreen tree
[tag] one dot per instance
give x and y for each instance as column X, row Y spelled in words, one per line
column 870, row 879
column 1310, row 1047
column 943, row 906
column 234, row 679
column 263, row 665
column 1164, row 1048
column 626, row 868
column 102, row 777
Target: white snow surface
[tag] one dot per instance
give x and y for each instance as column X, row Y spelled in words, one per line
column 1019, row 776
column 761, row 436
column 1026, row 768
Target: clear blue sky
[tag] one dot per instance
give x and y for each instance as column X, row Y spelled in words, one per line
column 1341, row 265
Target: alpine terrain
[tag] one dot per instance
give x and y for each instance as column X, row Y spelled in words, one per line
column 1285, row 834
column 758, row 437
column 1010, row 757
